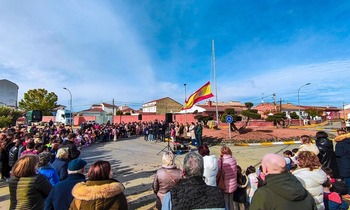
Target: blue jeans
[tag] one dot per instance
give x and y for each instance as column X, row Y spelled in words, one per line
column 347, row 182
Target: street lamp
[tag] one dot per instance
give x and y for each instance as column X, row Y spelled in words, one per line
column 70, row 103
column 299, row 102
column 185, row 105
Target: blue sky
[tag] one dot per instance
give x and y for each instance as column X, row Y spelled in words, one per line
column 136, row 51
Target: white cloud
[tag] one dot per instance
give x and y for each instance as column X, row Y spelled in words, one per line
column 328, row 83
column 87, row 48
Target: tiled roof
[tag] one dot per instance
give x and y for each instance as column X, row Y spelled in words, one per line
column 108, row 105
column 93, row 110
column 220, row 108
column 322, row 108
column 156, row 100
column 271, row 106
column 290, row 107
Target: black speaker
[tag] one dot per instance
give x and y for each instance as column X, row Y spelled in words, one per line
column 168, row 117
column 139, row 117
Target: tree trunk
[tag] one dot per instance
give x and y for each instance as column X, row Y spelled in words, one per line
column 241, row 129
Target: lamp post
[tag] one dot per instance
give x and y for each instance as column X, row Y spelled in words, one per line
column 185, row 104
column 299, row 101
column 70, row 103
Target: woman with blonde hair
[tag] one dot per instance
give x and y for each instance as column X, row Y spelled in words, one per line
column 61, row 163
column 166, row 177
column 311, row 176
column 28, row 190
column 229, row 165
column 307, row 145
column 100, row 191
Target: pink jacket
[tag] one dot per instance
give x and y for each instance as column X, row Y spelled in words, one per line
column 229, row 165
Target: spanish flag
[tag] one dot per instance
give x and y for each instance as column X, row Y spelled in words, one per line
column 201, row 94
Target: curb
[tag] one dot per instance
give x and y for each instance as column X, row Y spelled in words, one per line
column 268, row 143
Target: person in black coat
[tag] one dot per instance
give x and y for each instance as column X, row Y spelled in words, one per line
column 72, row 148
column 327, row 155
column 342, row 152
column 61, row 196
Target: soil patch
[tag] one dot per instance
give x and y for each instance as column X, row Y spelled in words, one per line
column 255, row 135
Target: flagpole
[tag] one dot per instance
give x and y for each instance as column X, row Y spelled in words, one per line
column 216, row 90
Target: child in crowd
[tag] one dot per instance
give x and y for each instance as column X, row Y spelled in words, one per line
column 338, row 185
column 240, row 195
column 172, row 134
column 294, row 152
column 289, row 161
column 252, row 182
column 261, row 176
column 332, row 200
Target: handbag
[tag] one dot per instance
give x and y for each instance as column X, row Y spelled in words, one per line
column 220, row 178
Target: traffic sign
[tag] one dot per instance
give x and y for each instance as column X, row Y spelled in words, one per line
column 229, row 119
column 329, row 117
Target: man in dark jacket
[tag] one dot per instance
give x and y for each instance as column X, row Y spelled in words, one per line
column 192, row 192
column 61, row 196
column 342, row 152
column 13, row 153
column 327, row 154
column 280, row 190
column 72, row 148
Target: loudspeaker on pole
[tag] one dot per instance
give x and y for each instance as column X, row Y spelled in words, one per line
column 168, row 117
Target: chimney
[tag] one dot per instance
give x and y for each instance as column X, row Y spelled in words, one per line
column 209, row 103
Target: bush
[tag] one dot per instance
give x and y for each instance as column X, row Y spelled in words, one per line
column 294, row 115
column 8, row 116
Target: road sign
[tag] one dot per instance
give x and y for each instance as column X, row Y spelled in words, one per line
column 329, row 117
column 229, row 119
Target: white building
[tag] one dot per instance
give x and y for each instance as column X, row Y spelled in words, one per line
column 8, row 93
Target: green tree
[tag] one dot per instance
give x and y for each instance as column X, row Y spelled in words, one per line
column 294, row 115
column 203, row 119
column 312, row 112
column 39, row 99
column 8, row 116
column 119, row 112
column 249, row 113
column 279, row 119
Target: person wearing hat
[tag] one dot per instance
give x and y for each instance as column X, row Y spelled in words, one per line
column 72, row 148
column 60, row 196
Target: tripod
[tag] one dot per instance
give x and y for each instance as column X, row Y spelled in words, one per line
column 167, row 147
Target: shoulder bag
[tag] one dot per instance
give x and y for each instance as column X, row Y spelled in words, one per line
column 220, row 178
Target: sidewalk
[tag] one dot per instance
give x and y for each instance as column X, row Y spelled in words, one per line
column 4, row 195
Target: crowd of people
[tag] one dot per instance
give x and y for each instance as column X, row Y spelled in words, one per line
column 44, row 171
column 313, row 176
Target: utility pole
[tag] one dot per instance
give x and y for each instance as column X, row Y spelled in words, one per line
column 343, row 110
column 274, row 101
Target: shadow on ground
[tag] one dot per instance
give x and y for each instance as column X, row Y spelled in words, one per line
column 143, row 192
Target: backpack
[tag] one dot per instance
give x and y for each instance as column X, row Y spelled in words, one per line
column 290, row 164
